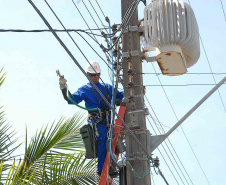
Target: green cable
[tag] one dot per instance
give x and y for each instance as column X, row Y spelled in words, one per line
column 144, row 174
column 72, row 101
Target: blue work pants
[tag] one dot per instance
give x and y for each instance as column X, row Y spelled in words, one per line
column 101, row 146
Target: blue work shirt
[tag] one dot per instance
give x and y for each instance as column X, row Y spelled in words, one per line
column 91, row 101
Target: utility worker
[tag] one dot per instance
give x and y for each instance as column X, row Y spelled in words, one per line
column 93, row 100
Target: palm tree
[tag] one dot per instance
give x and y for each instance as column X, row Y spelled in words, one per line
column 55, row 155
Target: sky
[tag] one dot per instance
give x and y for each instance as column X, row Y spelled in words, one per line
column 31, row 95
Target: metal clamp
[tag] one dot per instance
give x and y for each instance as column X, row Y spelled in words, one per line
column 136, row 111
column 132, row 53
column 136, row 156
column 132, row 29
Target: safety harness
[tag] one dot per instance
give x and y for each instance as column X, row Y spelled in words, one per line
column 104, row 118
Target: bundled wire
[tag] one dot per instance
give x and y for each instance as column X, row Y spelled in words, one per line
column 56, row 30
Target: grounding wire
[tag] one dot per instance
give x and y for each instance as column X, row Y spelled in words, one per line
column 168, row 139
column 88, row 77
column 171, row 151
column 168, row 154
column 72, row 39
column 223, row 10
column 181, row 126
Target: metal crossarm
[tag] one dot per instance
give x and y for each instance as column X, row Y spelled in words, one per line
column 107, row 164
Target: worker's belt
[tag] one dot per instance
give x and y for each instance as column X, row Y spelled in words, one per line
column 96, row 115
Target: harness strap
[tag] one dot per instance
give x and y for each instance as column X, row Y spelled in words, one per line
column 98, row 98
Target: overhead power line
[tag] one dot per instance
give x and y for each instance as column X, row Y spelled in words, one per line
column 88, row 77
column 169, row 156
column 211, row 69
column 56, row 30
column 223, row 10
column 178, row 85
column 100, row 8
column 182, row 74
column 161, row 125
column 98, row 15
column 212, row 72
column 181, row 127
column 71, row 37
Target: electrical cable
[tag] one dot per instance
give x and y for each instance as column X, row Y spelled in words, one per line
column 88, row 77
column 170, row 152
column 223, row 10
column 177, row 85
column 163, row 176
column 168, row 85
column 90, row 14
column 128, row 12
column 123, row 29
column 168, row 139
column 181, row 73
column 86, row 22
column 169, row 156
column 56, row 30
column 94, row 19
column 95, row 51
column 165, row 159
column 94, row 22
column 100, row 8
column 212, row 72
column 112, row 104
column 180, row 125
column 98, row 15
column 72, row 39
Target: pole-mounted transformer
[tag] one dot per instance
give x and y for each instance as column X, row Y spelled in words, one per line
column 170, row 27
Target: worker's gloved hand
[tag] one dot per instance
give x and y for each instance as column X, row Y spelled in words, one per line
column 62, row 82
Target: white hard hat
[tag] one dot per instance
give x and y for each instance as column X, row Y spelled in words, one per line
column 94, row 67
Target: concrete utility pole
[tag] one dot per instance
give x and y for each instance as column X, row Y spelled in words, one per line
column 135, row 116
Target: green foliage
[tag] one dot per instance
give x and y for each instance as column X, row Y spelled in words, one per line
column 2, row 77
column 55, row 155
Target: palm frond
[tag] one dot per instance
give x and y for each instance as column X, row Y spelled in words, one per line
column 70, row 169
column 2, row 77
column 7, row 140
column 62, row 135
column 17, row 174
